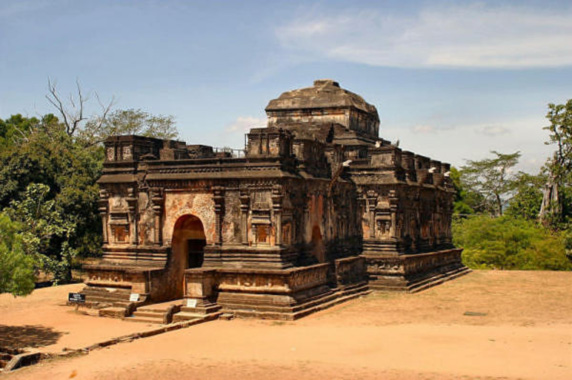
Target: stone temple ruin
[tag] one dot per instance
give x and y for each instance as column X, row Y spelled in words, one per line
column 317, row 210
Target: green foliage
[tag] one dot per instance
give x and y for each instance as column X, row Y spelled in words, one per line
column 560, row 128
column 556, row 210
column 48, row 174
column 128, row 122
column 15, row 129
column 16, row 268
column 509, row 243
column 490, row 178
column 49, row 156
column 45, row 230
column 466, row 202
column 528, row 196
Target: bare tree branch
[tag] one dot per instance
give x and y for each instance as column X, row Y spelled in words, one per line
column 54, row 99
column 73, row 113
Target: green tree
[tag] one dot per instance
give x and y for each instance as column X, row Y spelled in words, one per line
column 15, row 129
column 45, row 230
column 509, row 243
column 466, row 202
column 49, row 156
column 491, row 178
column 527, row 197
column 16, row 267
column 128, row 122
column 556, row 204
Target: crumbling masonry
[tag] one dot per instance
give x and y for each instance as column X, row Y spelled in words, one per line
column 318, row 209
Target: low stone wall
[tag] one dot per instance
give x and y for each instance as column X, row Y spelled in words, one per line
column 350, row 271
column 277, row 290
column 414, row 272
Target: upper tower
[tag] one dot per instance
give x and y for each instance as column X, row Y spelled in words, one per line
column 324, row 103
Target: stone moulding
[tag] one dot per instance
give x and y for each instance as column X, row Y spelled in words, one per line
column 272, row 281
column 414, row 272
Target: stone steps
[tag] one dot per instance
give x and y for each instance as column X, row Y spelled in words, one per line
column 113, row 312
column 161, row 313
column 140, row 319
column 148, row 316
column 312, row 305
column 438, row 279
column 149, row 313
column 186, row 316
column 414, row 286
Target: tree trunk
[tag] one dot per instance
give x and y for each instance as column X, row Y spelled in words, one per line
column 499, row 204
column 551, row 209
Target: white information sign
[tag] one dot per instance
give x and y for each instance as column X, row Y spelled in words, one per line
column 134, row 297
column 191, row 302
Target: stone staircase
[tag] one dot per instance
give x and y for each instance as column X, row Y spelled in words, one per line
column 419, row 284
column 111, row 302
column 160, row 313
column 187, row 314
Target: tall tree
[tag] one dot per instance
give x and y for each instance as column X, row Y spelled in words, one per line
column 91, row 131
column 128, row 122
column 73, row 111
column 16, row 267
column 559, row 166
column 492, row 179
column 49, row 157
column 528, row 196
column 46, row 231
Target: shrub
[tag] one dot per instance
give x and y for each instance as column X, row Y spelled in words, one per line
column 509, row 243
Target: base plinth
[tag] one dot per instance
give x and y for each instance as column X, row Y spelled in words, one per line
column 414, row 272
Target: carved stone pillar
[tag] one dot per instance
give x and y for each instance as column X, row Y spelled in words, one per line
column 277, row 208
column 157, row 200
column 393, row 210
column 371, row 203
column 219, row 212
column 132, row 215
column 104, row 212
column 244, row 207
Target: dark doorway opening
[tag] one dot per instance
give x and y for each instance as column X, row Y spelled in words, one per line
column 196, row 252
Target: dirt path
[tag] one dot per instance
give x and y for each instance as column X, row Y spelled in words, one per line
column 519, row 326
column 43, row 320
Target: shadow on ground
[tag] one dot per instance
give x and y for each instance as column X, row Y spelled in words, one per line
column 28, row 336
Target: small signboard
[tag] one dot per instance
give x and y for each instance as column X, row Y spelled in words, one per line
column 191, row 302
column 134, row 297
column 76, row 297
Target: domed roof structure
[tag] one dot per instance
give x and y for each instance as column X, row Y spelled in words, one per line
column 325, row 93
column 324, row 103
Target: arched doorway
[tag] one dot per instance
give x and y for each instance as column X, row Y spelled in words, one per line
column 187, row 249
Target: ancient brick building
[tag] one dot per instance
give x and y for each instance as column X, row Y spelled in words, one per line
column 318, row 209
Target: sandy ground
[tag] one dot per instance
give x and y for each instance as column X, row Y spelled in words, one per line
column 485, row 325
column 42, row 320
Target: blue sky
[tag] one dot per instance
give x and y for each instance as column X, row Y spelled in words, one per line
column 451, row 79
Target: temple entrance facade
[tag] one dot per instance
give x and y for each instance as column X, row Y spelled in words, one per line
column 318, row 209
column 187, row 250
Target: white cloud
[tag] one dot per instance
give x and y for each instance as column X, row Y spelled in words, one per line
column 494, row 130
column 468, row 142
column 475, row 36
column 424, row 129
column 243, row 124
